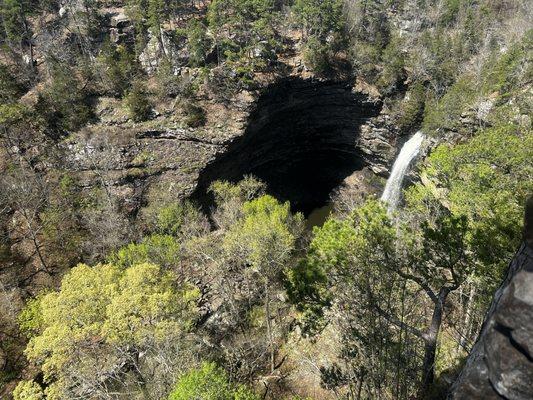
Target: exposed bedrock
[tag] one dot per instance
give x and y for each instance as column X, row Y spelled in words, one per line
column 500, row 365
column 303, row 137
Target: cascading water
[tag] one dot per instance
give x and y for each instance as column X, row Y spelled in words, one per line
column 393, row 188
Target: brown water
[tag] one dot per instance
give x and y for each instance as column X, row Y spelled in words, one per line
column 318, row 216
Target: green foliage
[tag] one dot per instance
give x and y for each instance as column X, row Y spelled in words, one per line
column 113, row 311
column 10, row 89
column 162, row 250
column 30, row 318
column 28, row 390
column 14, row 114
column 64, row 103
column 156, row 13
column 393, row 61
column 118, row 68
column 317, row 55
column 487, row 179
column 319, row 18
column 138, row 103
column 450, row 10
column 198, row 42
column 307, row 288
column 323, row 23
column 13, row 20
column 445, row 113
column 246, row 190
column 501, row 75
column 209, row 382
column 240, row 26
column 411, row 112
column 265, row 237
column 508, row 72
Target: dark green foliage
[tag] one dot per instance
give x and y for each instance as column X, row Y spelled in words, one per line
column 393, row 61
column 445, row 113
column 195, row 115
column 323, row 23
column 317, row 55
column 307, row 288
column 64, row 103
column 319, row 18
column 242, row 27
column 450, row 10
column 13, row 20
column 138, row 102
column 118, row 67
column 411, row 111
column 198, row 42
column 10, row 89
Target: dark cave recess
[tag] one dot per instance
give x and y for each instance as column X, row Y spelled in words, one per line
column 301, row 140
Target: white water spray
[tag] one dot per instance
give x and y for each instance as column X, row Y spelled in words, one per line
column 393, row 188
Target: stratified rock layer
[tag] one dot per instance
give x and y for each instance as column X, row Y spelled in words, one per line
column 500, row 365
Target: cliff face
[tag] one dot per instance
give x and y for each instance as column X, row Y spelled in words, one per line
column 500, row 365
column 276, row 133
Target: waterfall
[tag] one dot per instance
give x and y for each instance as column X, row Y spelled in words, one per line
column 393, row 188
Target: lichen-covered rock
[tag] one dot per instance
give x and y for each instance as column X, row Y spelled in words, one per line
column 163, row 46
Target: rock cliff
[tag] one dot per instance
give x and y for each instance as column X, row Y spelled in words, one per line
column 278, row 132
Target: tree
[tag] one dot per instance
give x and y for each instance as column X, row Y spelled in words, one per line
column 319, row 18
column 263, row 241
column 114, row 330
column 118, row 66
column 64, row 102
column 28, row 390
column 198, row 42
column 138, row 103
column 241, row 25
column 209, row 382
column 485, row 179
column 323, row 24
column 14, row 15
column 370, row 261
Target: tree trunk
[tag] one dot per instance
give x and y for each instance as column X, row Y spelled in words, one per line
column 269, row 328
column 468, row 318
column 430, row 338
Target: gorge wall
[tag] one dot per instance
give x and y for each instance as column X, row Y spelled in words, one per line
column 302, row 139
column 301, row 136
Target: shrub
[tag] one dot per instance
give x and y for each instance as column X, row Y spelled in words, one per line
column 196, row 115
column 209, row 382
column 411, row 111
column 28, row 390
column 64, row 102
column 316, row 55
column 118, row 67
column 138, row 103
column 393, row 62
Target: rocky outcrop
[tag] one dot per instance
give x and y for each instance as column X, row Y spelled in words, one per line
column 160, row 47
column 500, row 365
column 121, row 29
